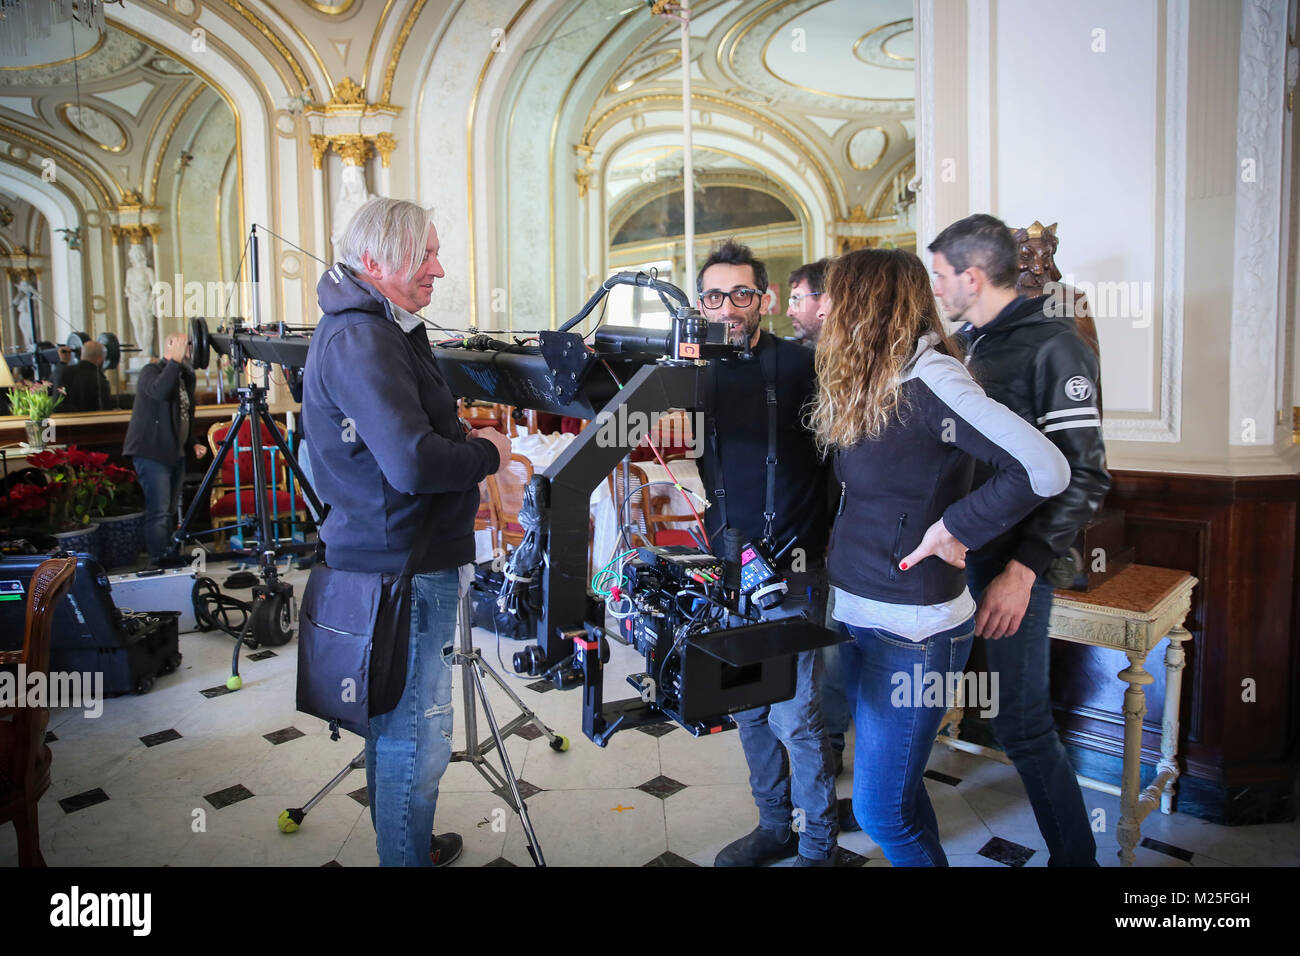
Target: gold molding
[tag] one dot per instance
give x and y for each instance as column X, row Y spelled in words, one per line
column 62, row 112
column 167, row 139
column 65, row 157
column 67, row 59
column 234, row 112
column 385, row 143
column 260, row 26
column 848, row 151
column 884, row 26
column 319, row 146
column 790, row 194
column 550, row 178
column 469, row 148
column 808, row 89
column 135, row 231
column 353, row 148
column 674, row 61
column 374, row 41
column 723, row 105
column 402, row 36
column 330, row 9
column 346, row 95
column 1295, row 425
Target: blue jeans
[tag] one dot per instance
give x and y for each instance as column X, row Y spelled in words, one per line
column 161, row 483
column 409, row 747
column 793, row 727
column 895, row 731
column 1025, row 728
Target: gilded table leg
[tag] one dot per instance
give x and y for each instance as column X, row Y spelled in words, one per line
column 1174, row 659
column 1135, row 708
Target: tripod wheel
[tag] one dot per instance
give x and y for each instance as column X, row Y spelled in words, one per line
column 290, row 820
column 272, row 620
column 560, row 744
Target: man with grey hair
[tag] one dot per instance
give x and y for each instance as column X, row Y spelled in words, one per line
column 400, row 476
column 85, row 387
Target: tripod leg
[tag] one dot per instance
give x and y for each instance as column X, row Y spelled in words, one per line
column 199, row 496
column 534, row 848
column 292, row 818
column 472, row 751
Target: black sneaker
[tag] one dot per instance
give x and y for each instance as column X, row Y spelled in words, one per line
column 805, row 861
column 759, row 848
column 844, row 810
column 444, row 850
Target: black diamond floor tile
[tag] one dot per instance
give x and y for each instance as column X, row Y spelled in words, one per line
column 261, row 656
column 361, row 796
column 527, row 789
column 499, row 861
column 219, row 691
column 1168, row 849
column 528, row 731
column 331, row 863
column 224, row 798
column 661, row 787
column 284, row 736
column 657, row 730
column 669, row 858
column 82, row 800
column 943, row 778
column 49, row 736
column 1006, row 852
column 541, row 686
column 846, row 857
column 161, row 737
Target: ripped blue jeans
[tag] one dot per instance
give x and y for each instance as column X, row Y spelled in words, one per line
column 408, row 748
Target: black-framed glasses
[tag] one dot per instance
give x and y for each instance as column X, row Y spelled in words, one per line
column 740, row 298
column 797, row 297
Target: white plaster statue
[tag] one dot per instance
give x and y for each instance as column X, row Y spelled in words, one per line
column 352, row 196
column 23, row 301
column 140, row 301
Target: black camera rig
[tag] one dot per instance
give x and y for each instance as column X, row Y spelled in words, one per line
column 717, row 633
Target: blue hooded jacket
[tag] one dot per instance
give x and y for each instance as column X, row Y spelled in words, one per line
column 387, row 450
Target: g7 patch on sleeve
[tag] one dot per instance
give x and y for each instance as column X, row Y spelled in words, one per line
column 1078, row 389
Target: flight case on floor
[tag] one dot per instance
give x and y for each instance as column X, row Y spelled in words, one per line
column 90, row 634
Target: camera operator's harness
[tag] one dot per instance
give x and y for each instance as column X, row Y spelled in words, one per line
column 767, row 364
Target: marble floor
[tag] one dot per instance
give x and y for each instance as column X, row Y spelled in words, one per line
column 191, row 775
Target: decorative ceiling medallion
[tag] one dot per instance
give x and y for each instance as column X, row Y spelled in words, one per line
column 165, row 64
column 798, row 52
column 648, row 66
column 330, row 9
column 891, row 46
column 867, row 147
column 98, row 127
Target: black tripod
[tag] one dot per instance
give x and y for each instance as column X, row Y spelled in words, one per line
column 271, row 617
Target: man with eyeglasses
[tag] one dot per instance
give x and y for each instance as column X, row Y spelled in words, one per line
column 806, row 286
column 769, row 483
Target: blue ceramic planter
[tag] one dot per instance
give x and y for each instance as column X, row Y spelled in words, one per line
column 121, row 539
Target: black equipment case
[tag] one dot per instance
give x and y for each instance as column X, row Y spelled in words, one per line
column 90, row 634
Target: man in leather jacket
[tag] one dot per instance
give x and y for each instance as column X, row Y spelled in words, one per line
column 1031, row 359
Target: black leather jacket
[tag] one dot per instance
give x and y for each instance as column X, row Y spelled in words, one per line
column 1038, row 366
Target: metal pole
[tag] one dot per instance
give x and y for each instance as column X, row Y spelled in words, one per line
column 688, row 166
column 256, row 277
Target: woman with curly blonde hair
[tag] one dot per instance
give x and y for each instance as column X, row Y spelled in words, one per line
column 905, row 422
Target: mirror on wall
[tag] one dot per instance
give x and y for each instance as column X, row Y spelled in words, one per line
column 120, row 195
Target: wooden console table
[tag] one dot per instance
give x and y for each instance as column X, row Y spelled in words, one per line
column 1132, row 612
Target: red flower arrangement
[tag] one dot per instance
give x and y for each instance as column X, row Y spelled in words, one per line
column 77, row 487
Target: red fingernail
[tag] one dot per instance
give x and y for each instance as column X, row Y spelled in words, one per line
column 903, row 565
